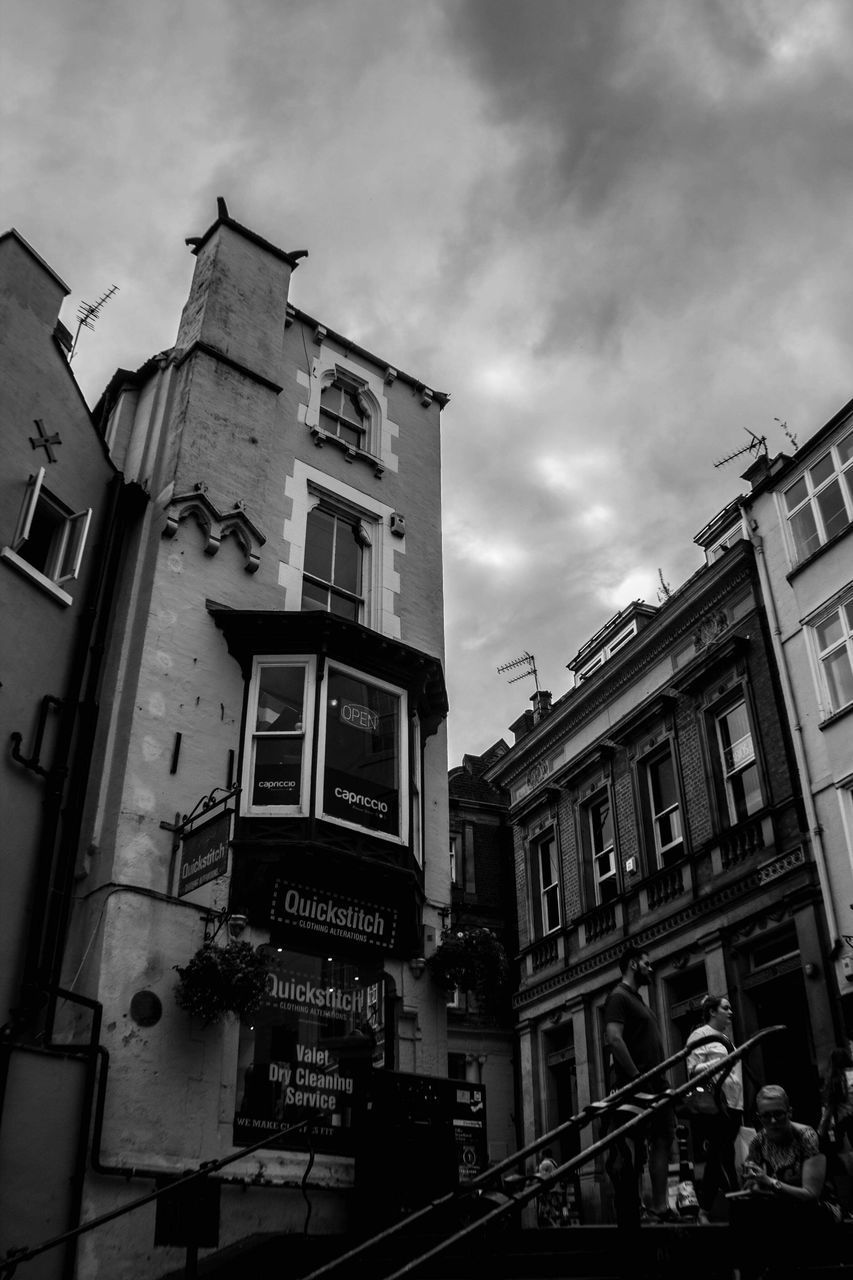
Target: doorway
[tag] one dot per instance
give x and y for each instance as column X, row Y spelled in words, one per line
column 789, row 1057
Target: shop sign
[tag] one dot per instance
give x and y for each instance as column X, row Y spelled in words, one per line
column 318, row 914
column 468, row 1113
column 358, row 716
column 294, row 1055
column 204, row 853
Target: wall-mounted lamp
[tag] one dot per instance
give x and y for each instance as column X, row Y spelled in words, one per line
column 417, row 966
column 811, row 970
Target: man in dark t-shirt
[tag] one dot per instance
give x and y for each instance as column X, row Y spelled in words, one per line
column 633, row 1037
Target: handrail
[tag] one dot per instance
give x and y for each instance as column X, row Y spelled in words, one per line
column 591, row 1112
column 595, row 1110
column 14, row 1257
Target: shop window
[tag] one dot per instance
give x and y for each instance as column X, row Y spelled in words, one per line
column 362, row 751
column 362, row 754
column 333, row 566
column 279, row 712
column 738, row 763
column 308, row 1048
column 545, row 885
column 834, row 642
column 661, row 809
column 50, row 538
column 600, row 850
column 820, row 503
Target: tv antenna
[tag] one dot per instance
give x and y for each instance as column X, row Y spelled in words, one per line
column 88, row 313
column 757, row 445
column 526, row 659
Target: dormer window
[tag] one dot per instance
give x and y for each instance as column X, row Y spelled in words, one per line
column 606, row 651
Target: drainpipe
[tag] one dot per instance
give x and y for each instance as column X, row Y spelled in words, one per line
column 815, row 830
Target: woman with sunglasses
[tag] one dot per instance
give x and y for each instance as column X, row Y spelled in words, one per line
column 785, row 1196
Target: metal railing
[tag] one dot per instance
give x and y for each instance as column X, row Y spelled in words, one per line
column 630, row 1096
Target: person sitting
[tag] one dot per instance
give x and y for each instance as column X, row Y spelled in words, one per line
column 786, row 1200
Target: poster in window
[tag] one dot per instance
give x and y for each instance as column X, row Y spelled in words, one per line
column 362, row 762
column 278, row 771
column 308, row 1050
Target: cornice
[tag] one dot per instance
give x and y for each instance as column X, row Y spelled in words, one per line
column 584, row 705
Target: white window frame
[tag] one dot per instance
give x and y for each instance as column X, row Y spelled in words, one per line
column 739, row 766
column 380, row 576
column 68, row 544
column 354, row 520
column 842, row 474
column 403, row 762
column 607, row 651
column 455, row 857
column 840, row 606
column 595, row 855
column 261, row 661
column 656, row 817
column 544, row 897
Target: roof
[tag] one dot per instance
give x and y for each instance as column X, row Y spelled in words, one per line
column 14, row 234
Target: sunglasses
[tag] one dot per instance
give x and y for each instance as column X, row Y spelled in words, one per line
column 772, row 1117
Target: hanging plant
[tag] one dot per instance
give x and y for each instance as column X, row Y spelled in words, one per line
column 222, row 980
column 473, row 960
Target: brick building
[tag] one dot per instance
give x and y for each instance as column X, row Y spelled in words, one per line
column 658, row 801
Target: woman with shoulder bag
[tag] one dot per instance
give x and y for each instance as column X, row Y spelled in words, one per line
column 722, row 1122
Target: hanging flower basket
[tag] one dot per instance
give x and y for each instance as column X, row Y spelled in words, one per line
column 222, row 980
column 473, row 960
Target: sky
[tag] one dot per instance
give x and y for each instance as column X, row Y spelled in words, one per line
column 619, row 233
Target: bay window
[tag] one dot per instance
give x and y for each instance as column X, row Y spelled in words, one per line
column 362, row 750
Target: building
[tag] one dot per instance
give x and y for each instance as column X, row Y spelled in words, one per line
column 657, row 801
column 269, row 765
column 799, row 515
column 64, row 511
column 480, row 1042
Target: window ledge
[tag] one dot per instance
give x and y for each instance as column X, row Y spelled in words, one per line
column 38, row 579
column 815, row 555
column 349, row 451
column 835, row 716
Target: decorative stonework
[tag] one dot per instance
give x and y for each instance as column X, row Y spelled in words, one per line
column 216, row 524
column 780, row 866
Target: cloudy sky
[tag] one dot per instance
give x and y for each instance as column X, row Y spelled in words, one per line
column 618, row 232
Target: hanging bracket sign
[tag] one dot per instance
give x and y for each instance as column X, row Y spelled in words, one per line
column 204, row 853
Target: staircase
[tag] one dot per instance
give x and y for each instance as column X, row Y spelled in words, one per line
column 676, row 1252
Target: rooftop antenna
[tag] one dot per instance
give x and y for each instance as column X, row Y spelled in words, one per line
column 88, row 313
column 757, row 445
column 528, row 660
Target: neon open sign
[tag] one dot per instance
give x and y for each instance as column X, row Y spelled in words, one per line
column 358, row 716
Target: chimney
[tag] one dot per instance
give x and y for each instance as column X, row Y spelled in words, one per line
column 541, row 700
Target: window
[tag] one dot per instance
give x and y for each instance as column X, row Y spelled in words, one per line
column 362, row 751
column 277, row 759
column 545, row 887
column 49, row 537
column 333, row 568
column 820, row 503
column 455, row 858
column 739, row 766
column 342, row 413
column 613, row 646
column 662, row 807
column 362, row 766
column 834, row 638
column 598, row 817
